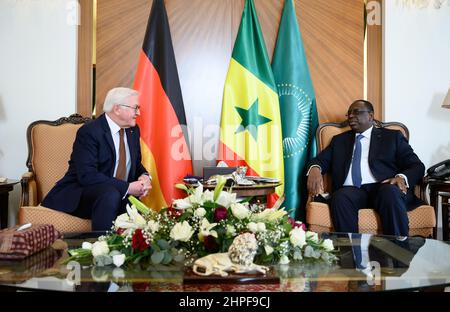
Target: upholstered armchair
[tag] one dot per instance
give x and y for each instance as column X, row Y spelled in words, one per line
column 422, row 220
column 49, row 148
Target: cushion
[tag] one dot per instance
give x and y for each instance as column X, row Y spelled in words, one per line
column 63, row 222
column 421, row 220
column 16, row 244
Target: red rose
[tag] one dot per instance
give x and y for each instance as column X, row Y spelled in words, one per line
column 291, row 221
column 296, row 224
column 138, row 242
column 141, row 287
column 220, row 214
column 211, row 244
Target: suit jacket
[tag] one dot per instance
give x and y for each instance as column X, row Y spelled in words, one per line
column 92, row 162
column 389, row 154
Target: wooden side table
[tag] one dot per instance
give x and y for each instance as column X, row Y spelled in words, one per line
column 5, row 188
column 439, row 188
column 260, row 189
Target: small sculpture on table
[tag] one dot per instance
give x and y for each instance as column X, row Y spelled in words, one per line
column 237, row 177
column 238, row 259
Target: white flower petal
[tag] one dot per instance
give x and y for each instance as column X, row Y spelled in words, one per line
column 118, row 260
column 86, row 245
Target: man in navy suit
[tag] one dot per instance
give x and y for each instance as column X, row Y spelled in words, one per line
column 105, row 165
column 370, row 167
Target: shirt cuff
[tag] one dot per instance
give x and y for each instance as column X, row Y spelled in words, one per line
column 307, row 174
column 126, row 193
column 404, row 178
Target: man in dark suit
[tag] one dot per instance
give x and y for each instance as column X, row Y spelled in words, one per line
column 105, row 165
column 370, row 167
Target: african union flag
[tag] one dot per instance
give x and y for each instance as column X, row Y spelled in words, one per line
column 298, row 110
column 250, row 133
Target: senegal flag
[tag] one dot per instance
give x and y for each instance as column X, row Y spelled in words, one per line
column 162, row 122
column 250, row 131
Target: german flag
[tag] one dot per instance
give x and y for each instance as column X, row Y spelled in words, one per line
column 164, row 140
column 250, row 130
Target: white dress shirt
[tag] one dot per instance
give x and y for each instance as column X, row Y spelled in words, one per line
column 116, row 139
column 366, row 173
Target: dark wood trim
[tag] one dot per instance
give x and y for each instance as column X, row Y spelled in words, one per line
column 84, row 65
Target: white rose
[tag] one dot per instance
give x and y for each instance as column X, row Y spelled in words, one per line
column 199, row 212
column 118, row 260
column 268, row 249
column 328, row 244
column 284, row 260
column 86, row 245
column 253, row 227
column 231, row 230
column 297, row 237
column 100, row 248
column 261, row 227
column 240, row 211
column 153, row 226
column 181, row 232
column 312, row 236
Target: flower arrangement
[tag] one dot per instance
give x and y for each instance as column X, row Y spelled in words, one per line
column 204, row 222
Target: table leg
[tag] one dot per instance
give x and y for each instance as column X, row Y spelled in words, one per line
column 445, row 221
column 3, row 210
column 434, row 199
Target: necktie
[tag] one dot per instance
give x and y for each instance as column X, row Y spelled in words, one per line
column 356, row 162
column 121, row 167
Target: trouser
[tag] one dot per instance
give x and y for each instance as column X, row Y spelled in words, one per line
column 101, row 203
column 386, row 199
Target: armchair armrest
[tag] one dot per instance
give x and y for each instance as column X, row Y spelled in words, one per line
column 420, row 190
column 29, row 190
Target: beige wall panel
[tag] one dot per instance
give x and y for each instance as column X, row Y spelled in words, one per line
column 203, row 34
column 120, row 30
column 84, row 60
column 333, row 37
column 374, row 65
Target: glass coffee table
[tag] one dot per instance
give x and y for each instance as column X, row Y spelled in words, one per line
column 367, row 263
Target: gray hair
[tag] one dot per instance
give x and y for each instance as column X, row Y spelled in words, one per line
column 117, row 96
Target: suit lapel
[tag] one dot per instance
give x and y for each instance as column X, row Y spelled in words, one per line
column 348, row 152
column 375, row 143
column 108, row 138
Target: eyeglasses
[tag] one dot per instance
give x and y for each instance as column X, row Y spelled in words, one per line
column 357, row 112
column 136, row 108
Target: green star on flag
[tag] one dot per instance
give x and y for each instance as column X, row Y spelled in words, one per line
column 251, row 119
